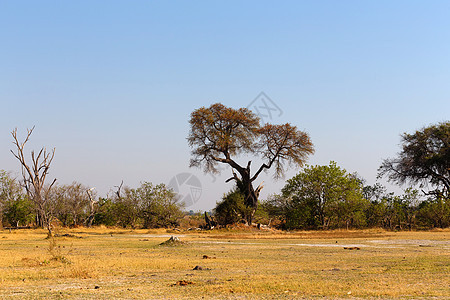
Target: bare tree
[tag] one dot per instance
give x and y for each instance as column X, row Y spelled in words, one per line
column 34, row 176
column 92, row 203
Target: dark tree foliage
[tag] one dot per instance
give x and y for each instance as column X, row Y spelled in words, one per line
column 231, row 209
column 424, row 160
column 106, row 213
column 219, row 134
column 434, row 213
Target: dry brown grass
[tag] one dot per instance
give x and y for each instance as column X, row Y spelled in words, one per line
column 104, row 263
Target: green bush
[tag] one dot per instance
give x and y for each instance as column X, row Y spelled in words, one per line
column 231, row 209
column 19, row 212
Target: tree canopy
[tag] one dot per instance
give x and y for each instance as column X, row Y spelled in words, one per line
column 424, row 159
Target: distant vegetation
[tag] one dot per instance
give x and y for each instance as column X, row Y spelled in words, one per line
column 147, row 206
column 318, row 197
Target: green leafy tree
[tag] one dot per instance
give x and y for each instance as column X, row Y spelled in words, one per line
column 19, row 211
column 126, row 207
column 219, row 135
column 106, row 213
column 15, row 206
column 401, row 210
column 376, row 211
column 149, row 206
column 434, row 213
column 324, row 197
column 276, row 207
column 6, row 185
column 158, row 205
column 410, row 201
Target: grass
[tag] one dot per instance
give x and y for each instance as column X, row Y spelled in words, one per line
column 103, row 263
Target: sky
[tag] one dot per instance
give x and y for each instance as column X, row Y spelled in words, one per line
column 111, row 84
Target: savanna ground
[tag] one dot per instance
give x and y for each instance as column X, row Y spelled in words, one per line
column 103, row 263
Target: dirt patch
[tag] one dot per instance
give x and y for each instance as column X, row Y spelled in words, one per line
column 68, row 235
column 182, row 283
column 422, row 243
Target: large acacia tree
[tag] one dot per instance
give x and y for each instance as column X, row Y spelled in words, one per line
column 219, row 134
column 424, row 160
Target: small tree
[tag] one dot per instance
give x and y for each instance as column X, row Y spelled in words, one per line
column 219, row 134
column 159, row 206
column 105, row 213
column 34, row 176
column 231, row 209
column 434, row 213
column 276, row 207
column 376, row 211
column 12, row 200
column 77, row 202
column 19, row 211
column 71, row 203
column 126, row 207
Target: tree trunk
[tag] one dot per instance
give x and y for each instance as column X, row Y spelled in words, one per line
column 210, row 223
column 251, row 195
column 49, row 229
column 39, row 219
column 90, row 219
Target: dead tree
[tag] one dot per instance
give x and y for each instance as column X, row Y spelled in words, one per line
column 34, row 176
column 92, row 202
column 119, row 197
column 210, row 223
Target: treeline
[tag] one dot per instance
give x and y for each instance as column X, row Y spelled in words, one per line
column 327, row 197
column 323, row 197
column 319, row 197
column 148, row 206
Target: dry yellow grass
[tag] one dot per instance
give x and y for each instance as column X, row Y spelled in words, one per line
column 103, row 263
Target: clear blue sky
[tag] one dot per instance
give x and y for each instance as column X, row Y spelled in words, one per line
column 111, row 84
